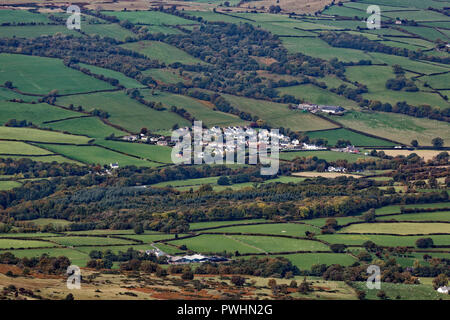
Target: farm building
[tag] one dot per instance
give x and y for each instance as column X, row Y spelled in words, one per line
column 195, row 258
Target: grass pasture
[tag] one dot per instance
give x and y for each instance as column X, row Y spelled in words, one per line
column 88, row 241
column 149, row 17
column 325, row 155
column 402, row 228
column 304, row 261
column 151, row 152
column 76, row 257
column 96, row 155
column 9, row 185
column 423, row 216
column 17, row 244
column 127, row 82
column 357, row 139
column 397, row 127
column 382, row 240
column 35, row 113
column 396, row 208
column 29, row 32
column 112, row 30
column 201, row 110
column 278, row 115
column 316, row 95
column 29, row 134
column 18, row 147
column 289, row 229
column 21, row 16
column 41, row 75
column 248, row 244
column 164, row 75
column 91, row 126
column 125, row 111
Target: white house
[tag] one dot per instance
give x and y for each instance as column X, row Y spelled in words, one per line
column 443, row 290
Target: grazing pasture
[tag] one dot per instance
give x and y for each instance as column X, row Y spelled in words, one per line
column 17, row 147
column 127, row 82
column 35, row 113
column 313, row 94
column 125, row 111
column 289, row 229
column 29, row 32
column 16, row 243
column 41, row 75
column 201, row 110
column 91, row 126
column 279, row 115
column 402, row 228
column 29, row 134
column 357, row 139
column 97, row 155
column 397, row 127
column 151, row 152
column 9, row 185
column 149, row 17
column 88, row 241
column 325, row 155
column 21, row 16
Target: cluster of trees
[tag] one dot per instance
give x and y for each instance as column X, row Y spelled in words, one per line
column 262, row 267
column 44, row 264
column 423, row 111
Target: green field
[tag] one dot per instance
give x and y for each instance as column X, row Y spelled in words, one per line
column 201, row 110
column 88, row 241
column 397, row 127
column 317, row 48
column 91, row 126
column 375, row 78
column 248, row 244
column 289, row 229
column 96, row 155
column 325, row 155
column 16, row 243
column 304, row 261
column 357, row 139
column 152, row 152
column 40, row 75
column 162, row 52
column 212, row 224
column 127, row 82
column 163, row 75
column 396, row 208
column 382, row 240
column 125, row 111
column 35, row 113
column 149, row 17
column 28, row 134
column 8, row 185
column 56, row 158
column 29, row 32
column 21, row 16
column 278, row 115
column 424, row 216
column 108, row 30
column 17, row 147
column 76, row 257
column 402, row 228
column 312, row 94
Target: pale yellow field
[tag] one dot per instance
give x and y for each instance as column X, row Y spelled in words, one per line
column 314, row 174
column 425, row 154
column 399, row 228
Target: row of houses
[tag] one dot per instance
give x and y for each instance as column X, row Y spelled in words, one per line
column 315, row 108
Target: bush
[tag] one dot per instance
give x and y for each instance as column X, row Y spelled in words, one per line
column 424, row 243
